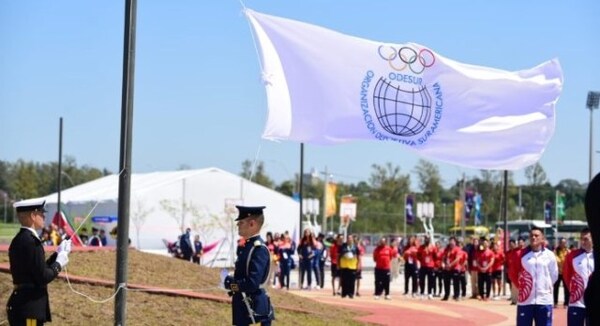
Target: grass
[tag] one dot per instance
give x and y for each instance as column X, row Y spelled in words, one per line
column 143, row 308
column 8, row 231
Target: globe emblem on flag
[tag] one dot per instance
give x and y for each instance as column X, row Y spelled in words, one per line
column 401, row 112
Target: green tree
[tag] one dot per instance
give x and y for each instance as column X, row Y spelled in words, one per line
column 537, row 191
column 259, row 176
column 430, row 181
column 25, row 181
column 287, row 187
column 383, row 208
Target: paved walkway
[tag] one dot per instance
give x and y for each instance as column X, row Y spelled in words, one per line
column 403, row 310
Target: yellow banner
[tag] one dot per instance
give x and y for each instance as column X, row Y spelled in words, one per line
column 459, row 212
column 330, row 204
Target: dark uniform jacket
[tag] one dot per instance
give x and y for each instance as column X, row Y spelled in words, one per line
column 30, row 273
column 251, row 271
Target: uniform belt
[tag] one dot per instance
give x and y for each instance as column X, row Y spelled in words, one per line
column 27, row 286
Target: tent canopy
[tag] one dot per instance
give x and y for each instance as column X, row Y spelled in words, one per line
column 164, row 203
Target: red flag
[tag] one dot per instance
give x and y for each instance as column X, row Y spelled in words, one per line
column 211, row 246
column 61, row 221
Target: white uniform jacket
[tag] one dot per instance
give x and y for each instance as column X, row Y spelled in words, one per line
column 579, row 265
column 537, row 273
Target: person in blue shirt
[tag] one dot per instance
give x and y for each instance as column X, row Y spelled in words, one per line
column 198, row 249
column 286, row 260
column 186, row 246
column 306, row 254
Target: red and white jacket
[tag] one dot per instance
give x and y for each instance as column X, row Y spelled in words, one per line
column 577, row 269
column 537, row 272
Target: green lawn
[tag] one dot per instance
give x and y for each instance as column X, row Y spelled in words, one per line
column 8, row 231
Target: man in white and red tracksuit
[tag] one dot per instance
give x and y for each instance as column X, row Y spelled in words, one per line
column 579, row 265
column 537, row 273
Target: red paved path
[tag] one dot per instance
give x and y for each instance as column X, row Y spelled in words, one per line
column 407, row 311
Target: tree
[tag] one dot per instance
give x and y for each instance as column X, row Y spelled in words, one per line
column 24, row 183
column 383, row 208
column 430, row 181
column 535, row 174
column 287, row 187
column 537, row 192
column 258, row 175
column 178, row 209
column 138, row 217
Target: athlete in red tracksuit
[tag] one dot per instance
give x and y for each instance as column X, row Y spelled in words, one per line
column 485, row 261
column 451, row 267
column 383, row 255
column 497, row 270
column 426, row 258
column 410, row 266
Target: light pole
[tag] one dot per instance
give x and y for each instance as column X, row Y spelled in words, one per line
column 593, row 98
column 444, row 216
column 5, row 198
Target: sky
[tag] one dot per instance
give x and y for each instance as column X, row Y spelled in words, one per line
column 199, row 100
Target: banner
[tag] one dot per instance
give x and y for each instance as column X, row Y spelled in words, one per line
column 469, row 203
column 330, row 204
column 324, row 87
column 548, row 212
column 478, row 202
column 458, row 212
column 408, row 209
column 560, row 207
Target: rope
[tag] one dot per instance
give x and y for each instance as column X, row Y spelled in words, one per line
column 255, row 161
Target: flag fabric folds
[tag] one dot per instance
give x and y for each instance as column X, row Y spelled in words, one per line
column 324, row 87
column 548, row 212
column 459, row 212
column 469, row 204
column 478, row 202
column 560, row 207
column 330, row 203
column 408, row 209
column 61, row 221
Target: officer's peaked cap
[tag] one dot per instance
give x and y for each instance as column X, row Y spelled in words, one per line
column 248, row 211
column 30, row 206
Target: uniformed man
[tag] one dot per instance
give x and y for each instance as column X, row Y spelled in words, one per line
column 250, row 302
column 31, row 272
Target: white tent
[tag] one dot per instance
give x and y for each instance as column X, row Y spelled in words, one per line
column 163, row 203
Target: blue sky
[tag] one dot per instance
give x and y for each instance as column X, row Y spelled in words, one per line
column 199, row 100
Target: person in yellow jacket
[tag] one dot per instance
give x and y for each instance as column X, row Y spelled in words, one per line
column 349, row 257
column 561, row 252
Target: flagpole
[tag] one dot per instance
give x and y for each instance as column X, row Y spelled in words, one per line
column 405, row 216
column 505, row 220
column 125, row 162
column 59, row 185
column 556, row 198
column 325, row 181
column 300, row 194
column 464, row 210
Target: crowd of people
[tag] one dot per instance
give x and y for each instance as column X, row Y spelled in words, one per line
column 534, row 272
column 53, row 235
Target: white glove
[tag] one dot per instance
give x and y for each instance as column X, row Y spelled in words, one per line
column 62, row 258
column 64, row 246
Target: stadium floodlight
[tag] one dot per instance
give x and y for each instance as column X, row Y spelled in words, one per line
column 593, row 99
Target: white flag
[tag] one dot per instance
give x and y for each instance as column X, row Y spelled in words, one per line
column 325, row 87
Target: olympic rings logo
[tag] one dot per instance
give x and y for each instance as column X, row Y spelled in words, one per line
column 407, row 57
